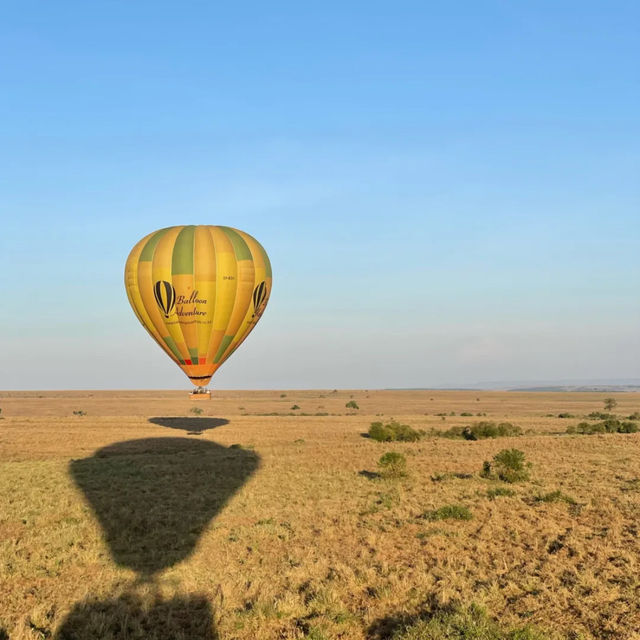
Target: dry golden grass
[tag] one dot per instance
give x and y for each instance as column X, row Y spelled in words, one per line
column 123, row 519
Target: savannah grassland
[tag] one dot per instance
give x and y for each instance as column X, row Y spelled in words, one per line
column 141, row 519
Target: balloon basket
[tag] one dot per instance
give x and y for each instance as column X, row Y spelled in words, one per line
column 202, row 395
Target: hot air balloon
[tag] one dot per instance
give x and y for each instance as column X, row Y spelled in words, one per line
column 199, row 291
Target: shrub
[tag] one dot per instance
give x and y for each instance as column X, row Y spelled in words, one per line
column 455, row 623
column 508, row 465
column 80, row 413
column 610, row 425
column 566, row 415
column 380, row 432
column 196, row 411
column 481, row 430
column 496, row 492
column 352, row 404
column 610, row 404
column 283, row 395
column 600, row 415
column 628, row 427
column 295, row 407
column 393, row 465
column 466, row 414
column 555, row 496
column 393, row 431
column 448, row 512
column 439, row 477
column 634, row 416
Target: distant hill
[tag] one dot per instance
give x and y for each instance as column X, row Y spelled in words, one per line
column 598, row 387
column 592, row 385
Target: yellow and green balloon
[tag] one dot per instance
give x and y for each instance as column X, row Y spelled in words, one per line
column 198, row 291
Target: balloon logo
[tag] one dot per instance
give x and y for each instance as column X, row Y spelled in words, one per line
column 198, row 291
column 165, row 296
column 259, row 297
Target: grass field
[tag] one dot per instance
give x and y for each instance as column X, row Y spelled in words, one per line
column 141, row 519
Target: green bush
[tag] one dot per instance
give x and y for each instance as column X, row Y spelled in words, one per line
column 196, row 411
column 352, row 404
column 481, row 430
column 448, row 512
column 600, row 415
column 295, row 407
column 80, row 413
column 508, row 465
column 380, row 432
column 628, row 427
column 497, row 492
column 393, row 431
column 555, row 496
column 471, row 623
column 566, row 415
column 439, row 477
column 609, row 425
column 466, row 414
column 392, row 465
column 634, row 416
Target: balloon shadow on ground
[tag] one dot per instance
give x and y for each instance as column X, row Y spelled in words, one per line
column 154, row 496
column 188, row 618
column 194, row 426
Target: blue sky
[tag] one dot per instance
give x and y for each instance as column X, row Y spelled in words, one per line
column 448, row 191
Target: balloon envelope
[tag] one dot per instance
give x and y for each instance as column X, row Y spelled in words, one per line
column 198, row 291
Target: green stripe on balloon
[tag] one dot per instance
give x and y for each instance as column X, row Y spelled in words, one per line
column 240, row 247
column 170, row 342
column 146, row 254
column 265, row 257
column 182, row 259
column 226, row 341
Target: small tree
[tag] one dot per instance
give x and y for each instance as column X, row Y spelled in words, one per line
column 393, row 465
column 508, row 465
column 393, row 431
column 352, row 404
column 610, row 404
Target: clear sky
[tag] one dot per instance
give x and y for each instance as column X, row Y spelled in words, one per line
column 449, row 191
